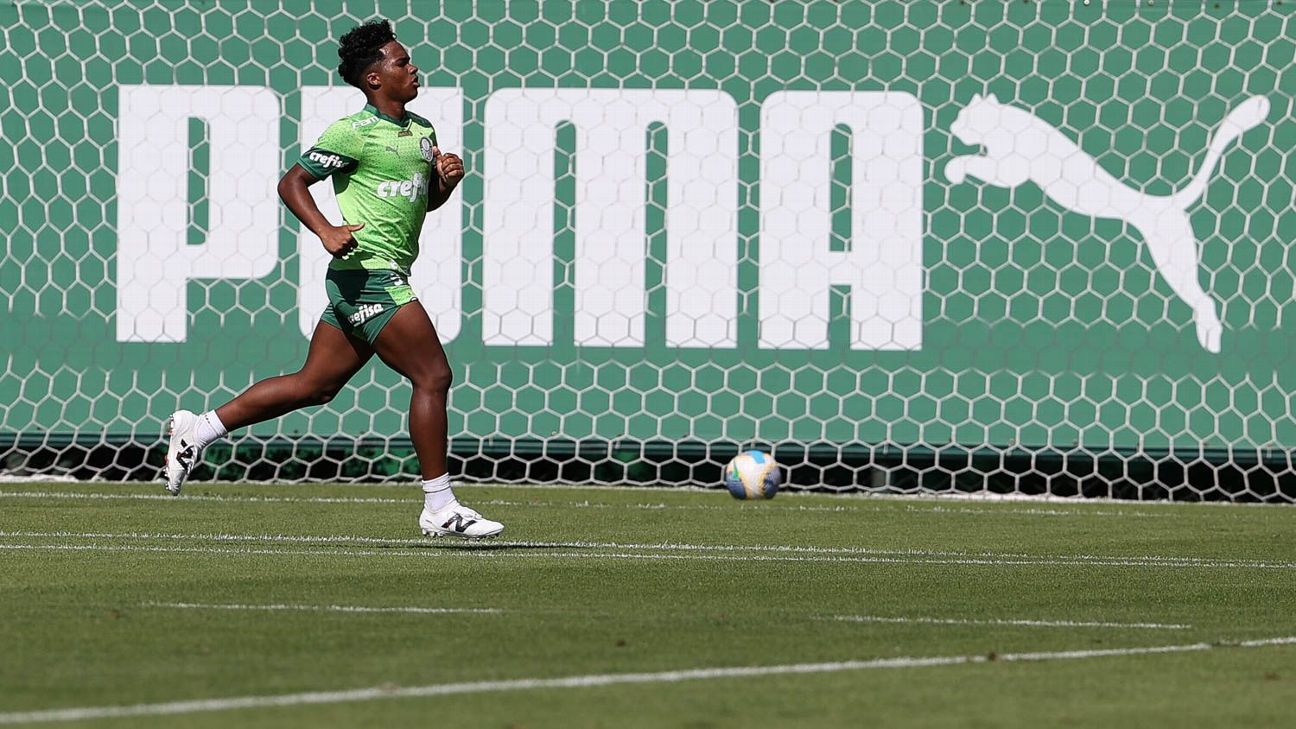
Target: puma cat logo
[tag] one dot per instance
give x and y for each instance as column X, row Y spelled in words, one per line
column 1020, row 148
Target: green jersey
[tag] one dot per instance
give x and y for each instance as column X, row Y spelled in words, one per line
column 381, row 168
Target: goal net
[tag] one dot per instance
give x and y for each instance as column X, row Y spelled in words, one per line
column 1027, row 247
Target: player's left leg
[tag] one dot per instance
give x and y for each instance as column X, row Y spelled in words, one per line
column 332, row 360
column 408, row 343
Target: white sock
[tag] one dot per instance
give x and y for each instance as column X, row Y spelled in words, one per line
column 437, row 493
column 208, row 428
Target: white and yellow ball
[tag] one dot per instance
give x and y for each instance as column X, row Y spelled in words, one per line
column 752, row 475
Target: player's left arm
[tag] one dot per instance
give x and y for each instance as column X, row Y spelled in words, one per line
column 449, row 170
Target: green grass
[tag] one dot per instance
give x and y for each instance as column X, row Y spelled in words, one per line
column 602, row 582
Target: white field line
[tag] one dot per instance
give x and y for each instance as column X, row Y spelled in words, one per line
column 205, row 497
column 658, row 506
column 38, row 478
column 1005, row 621
column 321, row 608
column 845, row 618
column 595, row 680
column 749, row 551
column 486, row 553
column 919, row 495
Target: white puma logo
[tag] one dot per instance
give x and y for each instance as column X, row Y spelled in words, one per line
column 1021, row 147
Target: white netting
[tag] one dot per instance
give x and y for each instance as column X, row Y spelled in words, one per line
column 1039, row 247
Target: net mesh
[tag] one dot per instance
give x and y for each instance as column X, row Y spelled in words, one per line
column 1032, row 247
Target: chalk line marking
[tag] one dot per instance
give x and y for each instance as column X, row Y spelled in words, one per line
column 749, row 551
column 320, row 608
column 432, row 552
column 596, row 680
column 1005, row 621
column 927, row 508
column 843, row 618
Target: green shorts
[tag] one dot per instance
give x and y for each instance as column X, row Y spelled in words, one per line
column 361, row 301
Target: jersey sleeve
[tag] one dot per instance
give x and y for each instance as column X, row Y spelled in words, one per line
column 338, row 150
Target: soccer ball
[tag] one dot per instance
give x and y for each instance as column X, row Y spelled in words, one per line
column 752, row 475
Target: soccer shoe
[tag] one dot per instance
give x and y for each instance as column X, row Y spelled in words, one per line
column 458, row 521
column 183, row 452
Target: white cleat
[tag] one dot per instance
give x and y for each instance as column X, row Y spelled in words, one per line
column 183, row 452
column 458, row 521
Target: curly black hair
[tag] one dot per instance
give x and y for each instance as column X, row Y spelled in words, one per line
column 361, row 47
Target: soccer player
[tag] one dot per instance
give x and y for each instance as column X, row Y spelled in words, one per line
column 388, row 172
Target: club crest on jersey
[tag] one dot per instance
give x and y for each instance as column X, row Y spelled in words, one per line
column 425, row 146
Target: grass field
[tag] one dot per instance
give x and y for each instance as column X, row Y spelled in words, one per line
column 275, row 606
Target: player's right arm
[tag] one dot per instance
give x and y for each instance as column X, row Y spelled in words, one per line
column 337, row 239
column 338, row 151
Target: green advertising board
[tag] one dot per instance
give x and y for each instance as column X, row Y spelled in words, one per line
column 892, row 227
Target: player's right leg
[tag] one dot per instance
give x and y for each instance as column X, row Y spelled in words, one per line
column 333, row 359
column 408, row 343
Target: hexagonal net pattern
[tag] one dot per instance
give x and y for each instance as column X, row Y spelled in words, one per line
column 1020, row 247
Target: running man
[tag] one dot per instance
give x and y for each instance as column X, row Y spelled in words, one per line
column 388, row 173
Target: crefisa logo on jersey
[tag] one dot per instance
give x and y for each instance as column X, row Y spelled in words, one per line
column 425, row 146
column 410, row 189
column 327, row 160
